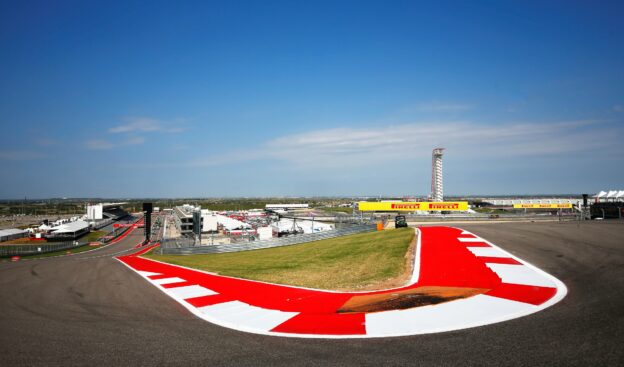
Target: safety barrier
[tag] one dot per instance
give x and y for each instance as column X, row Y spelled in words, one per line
column 174, row 246
column 45, row 247
column 24, row 250
column 489, row 217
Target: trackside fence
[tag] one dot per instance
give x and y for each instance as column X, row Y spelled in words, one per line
column 24, row 250
column 185, row 247
column 45, row 247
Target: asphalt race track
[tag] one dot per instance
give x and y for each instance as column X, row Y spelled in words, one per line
column 89, row 309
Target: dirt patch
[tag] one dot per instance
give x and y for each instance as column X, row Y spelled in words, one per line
column 395, row 282
column 416, row 297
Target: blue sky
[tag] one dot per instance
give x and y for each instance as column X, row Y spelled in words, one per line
column 233, row 98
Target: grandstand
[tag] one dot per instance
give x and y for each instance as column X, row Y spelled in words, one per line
column 115, row 213
column 101, row 211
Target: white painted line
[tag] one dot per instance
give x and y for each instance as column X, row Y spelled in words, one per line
column 460, row 314
column 190, row 291
column 520, row 274
column 244, row 316
column 488, row 252
column 471, row 239
column 416, row 269
column 147, row 273
column 466, row 232
column 167, row 280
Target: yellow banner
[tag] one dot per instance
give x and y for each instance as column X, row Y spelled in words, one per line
column 412, row 206
column 542, row 206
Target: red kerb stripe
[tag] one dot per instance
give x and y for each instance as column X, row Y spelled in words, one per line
column 523, row 293
column 208, row 300
column 178, row 284
column 324, row 324
column 499, row 260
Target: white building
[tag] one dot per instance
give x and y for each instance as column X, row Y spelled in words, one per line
column 265, row 233
column 511, row 202
column 95, row 212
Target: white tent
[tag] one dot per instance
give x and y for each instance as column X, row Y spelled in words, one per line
column 231, row 223
column 600, row 194
column 611, row 195
column 71, row 227
column 307, row 226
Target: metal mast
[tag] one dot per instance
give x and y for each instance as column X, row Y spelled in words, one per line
column 437, row 187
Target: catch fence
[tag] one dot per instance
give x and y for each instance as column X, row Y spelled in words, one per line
column 186, row 246
column 36, row 249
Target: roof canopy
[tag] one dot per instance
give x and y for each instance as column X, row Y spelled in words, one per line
column 10, row 231
column 71, row 227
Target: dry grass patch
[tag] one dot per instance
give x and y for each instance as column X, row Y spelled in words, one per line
column 351, row 262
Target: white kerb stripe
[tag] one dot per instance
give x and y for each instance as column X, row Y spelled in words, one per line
column 245, row 316
column 470, row 239
column 460, row 314
column 488, row 252
column 167, row 280
column 466, row 232
column 520, row 274
column 223, row 309
column 147, row 273
column 190, row 291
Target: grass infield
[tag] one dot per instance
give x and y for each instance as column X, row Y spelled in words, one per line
column 349, row 262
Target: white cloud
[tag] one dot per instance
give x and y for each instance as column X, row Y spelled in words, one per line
column 137, row 140
column 440, row 107
column 367, row 145
column 101, row 144
column 98, row 144
column 394, row 145
column 146, row 124
column 342, row 147
column 20, row 155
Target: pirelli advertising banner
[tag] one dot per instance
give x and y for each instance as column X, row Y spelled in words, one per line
column 542, row 206
column 395, row 206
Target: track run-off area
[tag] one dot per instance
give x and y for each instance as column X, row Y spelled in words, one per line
column 460, row 280
column 89, row 308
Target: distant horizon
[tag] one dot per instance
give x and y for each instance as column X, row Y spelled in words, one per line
column 294, row 197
